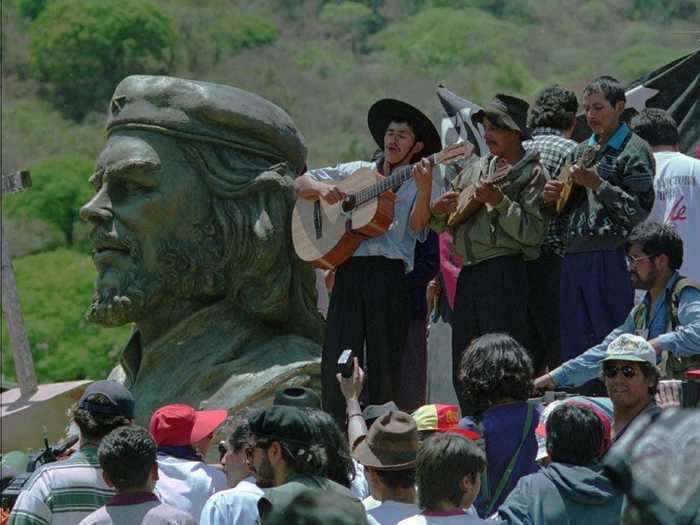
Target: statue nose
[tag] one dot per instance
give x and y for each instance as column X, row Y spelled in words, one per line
column 98, row 209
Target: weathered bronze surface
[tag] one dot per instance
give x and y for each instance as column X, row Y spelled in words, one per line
column 191, row 243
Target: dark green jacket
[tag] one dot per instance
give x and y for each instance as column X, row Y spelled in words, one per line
column 515, row 226
column 278, row 498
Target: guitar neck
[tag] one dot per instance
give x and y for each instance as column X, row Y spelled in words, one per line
column 395, row 180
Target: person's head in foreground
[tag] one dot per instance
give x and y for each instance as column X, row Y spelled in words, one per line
column 630, row 373
column 182, row 426
column 283, row 444
column 448, row 472
column 389, row 456
column 575, row 435
column 127, row 456
column 104, row 406
column 495, row 369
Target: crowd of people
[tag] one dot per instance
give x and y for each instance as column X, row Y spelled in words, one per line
column 552, row 237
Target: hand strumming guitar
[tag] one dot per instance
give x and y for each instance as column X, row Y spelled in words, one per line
column 446, row 203
column 330, row 193
column 586, row 177
column 552, row 190
column 488, row 193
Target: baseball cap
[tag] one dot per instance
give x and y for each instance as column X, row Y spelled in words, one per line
column 441, row 418
column 630, row 347
column 179, row 425
column 121, row 402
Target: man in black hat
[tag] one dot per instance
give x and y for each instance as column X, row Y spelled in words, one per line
column 67, row 491
column 285, row 459
column 369, row 305
column 504, row 232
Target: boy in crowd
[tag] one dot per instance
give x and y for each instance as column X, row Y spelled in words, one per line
column 128, row 459
column 572, row 489
column 448, row 471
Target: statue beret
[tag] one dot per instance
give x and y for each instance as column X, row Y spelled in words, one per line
column 207, row 112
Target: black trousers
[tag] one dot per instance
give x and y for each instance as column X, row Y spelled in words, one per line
column 543, row 311
column 491, row 297
column 368, row 313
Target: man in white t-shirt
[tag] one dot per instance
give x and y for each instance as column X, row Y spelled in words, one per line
column 676, row 184
column 239, row 504
column 448, row 471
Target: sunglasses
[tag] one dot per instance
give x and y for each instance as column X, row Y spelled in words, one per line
column 612, row 371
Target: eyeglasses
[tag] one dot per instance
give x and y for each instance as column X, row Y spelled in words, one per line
column 631, row 260
column 611, row 371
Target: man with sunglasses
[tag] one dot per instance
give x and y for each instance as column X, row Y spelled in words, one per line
column 631, row 377
column 668, row 316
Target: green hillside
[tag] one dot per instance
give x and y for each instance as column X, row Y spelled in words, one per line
column 324, row 61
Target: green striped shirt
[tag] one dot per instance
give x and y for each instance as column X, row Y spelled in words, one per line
column 63, row 493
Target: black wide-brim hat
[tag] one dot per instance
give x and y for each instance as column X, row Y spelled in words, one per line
column 386, row 110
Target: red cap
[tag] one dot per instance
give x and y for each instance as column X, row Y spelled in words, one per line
column 178, row 425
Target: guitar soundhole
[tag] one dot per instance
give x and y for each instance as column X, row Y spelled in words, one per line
column 348, row 203
column 318, row 225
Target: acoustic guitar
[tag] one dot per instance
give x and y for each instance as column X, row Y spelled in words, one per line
column 467, row 205
column 326, row 235
column 570, row 192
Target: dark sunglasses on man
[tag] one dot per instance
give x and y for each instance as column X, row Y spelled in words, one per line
column 611, row 371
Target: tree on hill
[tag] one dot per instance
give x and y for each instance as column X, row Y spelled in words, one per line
column 351, row 20
column 83, row 48
column 59, row 187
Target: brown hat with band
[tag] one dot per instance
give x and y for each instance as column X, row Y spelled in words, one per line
column 506, row 112
column 391, row 444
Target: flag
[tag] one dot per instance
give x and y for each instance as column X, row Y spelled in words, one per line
column 674, row 87
column 457, row 125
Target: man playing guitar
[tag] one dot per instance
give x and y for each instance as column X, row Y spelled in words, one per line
column 494, row 241
column 369, row 304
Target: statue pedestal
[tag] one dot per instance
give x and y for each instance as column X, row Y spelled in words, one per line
column 22, row 418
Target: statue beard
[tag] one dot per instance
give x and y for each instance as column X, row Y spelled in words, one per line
column 187, row 272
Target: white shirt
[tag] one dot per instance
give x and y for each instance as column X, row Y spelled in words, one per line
column 391, row 512
column 677, row 202
column 187, row 485
column 463, row 519
column 236, row 506
column 359, row 486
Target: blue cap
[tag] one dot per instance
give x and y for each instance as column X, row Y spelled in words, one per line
column 121, row 402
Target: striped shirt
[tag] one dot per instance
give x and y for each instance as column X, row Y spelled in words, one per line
column 63, row 493
column 553, row 148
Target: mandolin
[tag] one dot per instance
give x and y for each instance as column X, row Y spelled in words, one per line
column 570, row 190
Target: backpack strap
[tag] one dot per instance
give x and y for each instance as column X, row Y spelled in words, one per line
column 508, row 472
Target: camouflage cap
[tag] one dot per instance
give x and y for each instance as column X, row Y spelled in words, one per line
column 630, row 347
column 207, row 112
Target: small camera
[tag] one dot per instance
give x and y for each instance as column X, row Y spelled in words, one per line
column 346, row 363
